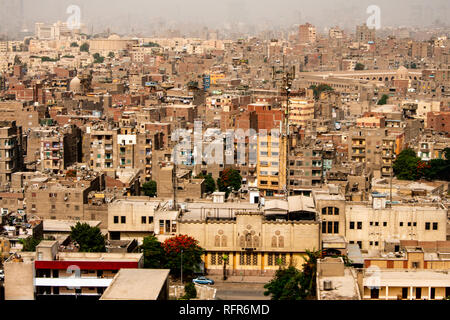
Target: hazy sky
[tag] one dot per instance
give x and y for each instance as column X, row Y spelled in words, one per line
column 125, row 15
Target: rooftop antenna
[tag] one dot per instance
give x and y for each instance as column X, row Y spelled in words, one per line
column 174, row 170
column 288, row 75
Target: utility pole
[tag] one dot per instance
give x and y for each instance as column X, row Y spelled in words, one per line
column 181, row 266
column 287, row 77
column 174, row 170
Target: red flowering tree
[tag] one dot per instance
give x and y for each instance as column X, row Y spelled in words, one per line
column 192, row 255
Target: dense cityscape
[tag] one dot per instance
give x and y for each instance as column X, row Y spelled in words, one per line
column 178, row 161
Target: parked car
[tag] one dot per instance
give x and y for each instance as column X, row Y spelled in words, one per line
column 203, row 280
column 2, row 275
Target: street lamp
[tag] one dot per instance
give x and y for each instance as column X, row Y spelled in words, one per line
column 181, row 266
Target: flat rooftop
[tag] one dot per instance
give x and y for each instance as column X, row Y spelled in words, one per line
column 344, row 287
column 408, row 278
column 99, row 256
column 64, row 225
column 136, row 284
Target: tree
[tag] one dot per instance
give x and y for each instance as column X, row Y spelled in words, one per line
column 190, row 292
column 317, row 90
column 192, row 255
column 383, row 100
column 29, row 244
column 89, row 239
column 150, row 188
column 291, row 284
column 17, row 60
column 229, row 180
column 153, row 253
column 74, row 45
column 310, row 271
column 98, row 58
column 84, row 47
column 286, row 285
column 359, row 66
column 406, row 165
column 225, row 262
column 111, row 55
column 209, row 182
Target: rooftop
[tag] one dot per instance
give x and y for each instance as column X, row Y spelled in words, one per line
column 136, row 284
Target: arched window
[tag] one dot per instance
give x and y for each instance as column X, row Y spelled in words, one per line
column 280, row 242
column 274, row 242
column 224, row 241
column 242, row 241
column 256, row 241
column 217, row 241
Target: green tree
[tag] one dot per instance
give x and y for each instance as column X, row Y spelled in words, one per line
column 84, row 47
column 17, row 60
column 359, row 66
column 310, row 271
column 89, row 239
column 229, row 180
column 186, row 247
column 209, row 182
column 149, row 188
column 406, row 164
column 153, row 253
column 98, row 58
column 111, row 55
column 286, row 285
column 383, row 100
column 29, row 244
column 74, row 45
column 190, row 292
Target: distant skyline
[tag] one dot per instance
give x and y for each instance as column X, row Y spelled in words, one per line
column 143, row 16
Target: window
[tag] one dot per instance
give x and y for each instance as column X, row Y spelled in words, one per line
column 359, row 244
column 385, row 224
column 374, row 293
column 418, row 293
column 376, row 223
column 150, row 220
column 404, row 293
column 123, row 219
column 435, row 225
column 427, row 226
column 409, row 224
column 401, row 224
column 77, row 208
column 116, row 219
column 143, row 220
column 336, row 227
column 433, row 293
column 359, row 225
column 352, row 225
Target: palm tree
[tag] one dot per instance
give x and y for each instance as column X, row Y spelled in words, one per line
column 310, row 271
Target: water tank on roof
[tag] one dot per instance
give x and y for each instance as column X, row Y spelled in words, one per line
column 327, row 285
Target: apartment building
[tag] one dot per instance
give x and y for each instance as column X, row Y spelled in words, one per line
column 307, row 34
column 370, row 226
column 10, row 150
column 62, row 200
column 59, row 147
column 364, row 34
column 51, row 273
column 137, row 218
